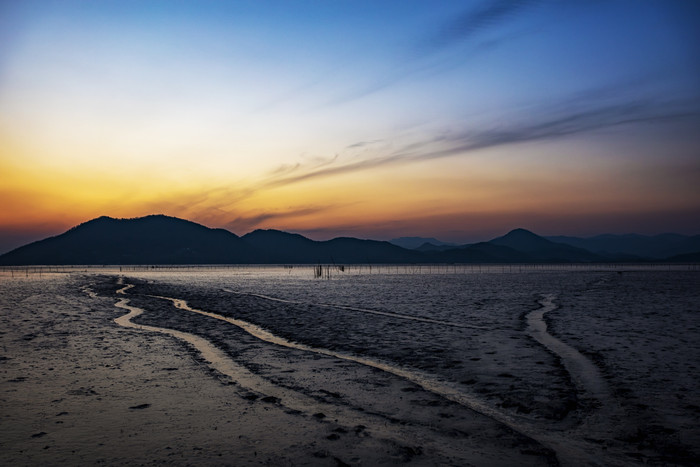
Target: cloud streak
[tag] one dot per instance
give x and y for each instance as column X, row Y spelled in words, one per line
column 362, row 144
column 470, row 26
column 473, row 22
column 248, row 223
column 550, row 125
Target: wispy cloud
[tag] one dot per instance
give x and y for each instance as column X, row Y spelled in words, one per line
column 540, row 124
column 574, row 122
column 423, row 56
column 246, row 223
column 581, row 113
column 472, row 23
column 362, row 144
column 308, row 164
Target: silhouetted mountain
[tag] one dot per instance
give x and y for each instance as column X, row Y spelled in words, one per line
column 413, row 243
column 657, row 246
column 276, row 246
column 483, row 252
column 684, row 258
column 353, row 250
column 687, row 245
column 541, row 249
column 433, row 247
column 283, row 247
column 153, row 239
column 522, row 240
column 161, row 239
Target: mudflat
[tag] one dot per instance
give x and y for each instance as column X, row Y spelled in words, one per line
column 249, row 369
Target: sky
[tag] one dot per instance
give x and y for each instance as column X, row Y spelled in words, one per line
column 453, row 119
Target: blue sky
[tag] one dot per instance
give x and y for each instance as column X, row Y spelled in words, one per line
column 374, row 119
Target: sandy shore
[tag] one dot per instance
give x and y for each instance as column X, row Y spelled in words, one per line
column 78, row 388
column 209, row 369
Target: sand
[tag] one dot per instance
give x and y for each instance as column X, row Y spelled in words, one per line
column 148, row 368
column 78, row 388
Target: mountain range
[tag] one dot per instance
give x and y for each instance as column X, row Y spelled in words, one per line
column 159, row 239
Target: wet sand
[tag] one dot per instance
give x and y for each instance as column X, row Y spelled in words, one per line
column 79, row 388
column 120, row 370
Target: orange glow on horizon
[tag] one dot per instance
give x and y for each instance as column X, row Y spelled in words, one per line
column 417, row 197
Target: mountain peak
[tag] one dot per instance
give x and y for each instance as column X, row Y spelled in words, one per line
column 154, row 239
column 273, row 233
column 417, row 242
column 522, row 240
column 521, row 232
column 162, row 239
column 542, row 249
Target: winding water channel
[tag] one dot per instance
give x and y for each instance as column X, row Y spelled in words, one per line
column 569, row 444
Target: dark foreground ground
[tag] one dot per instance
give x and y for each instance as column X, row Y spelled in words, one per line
column 78, row 388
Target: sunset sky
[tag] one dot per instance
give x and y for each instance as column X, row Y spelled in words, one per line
column 459, row 120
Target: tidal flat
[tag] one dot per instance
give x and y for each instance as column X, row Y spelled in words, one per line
column 555, row 365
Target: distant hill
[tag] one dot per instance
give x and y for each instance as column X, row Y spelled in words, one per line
column 684, row 258
column 413, row 243
column 483, row 252
column 657, row 246
column 159, row 239
column 541, row 249
column 276, row 246
column 155, row 239
column 283, row 247
column 432, row 247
